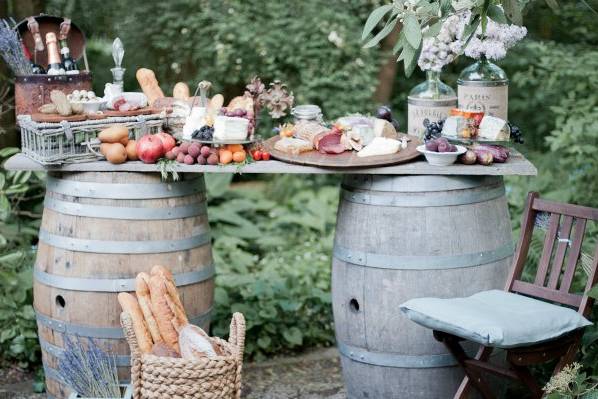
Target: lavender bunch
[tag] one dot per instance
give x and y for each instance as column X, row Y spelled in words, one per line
column 11, row 50
column 88, row 370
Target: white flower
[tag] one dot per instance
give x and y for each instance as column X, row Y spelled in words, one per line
column 443, row 49
column 498, row 39
column 335, row 39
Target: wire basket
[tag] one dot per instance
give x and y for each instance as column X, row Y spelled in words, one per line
column 70, row 142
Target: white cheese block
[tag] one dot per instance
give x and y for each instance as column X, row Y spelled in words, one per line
column 383, row 128
column 494, row 129
column 451, row 126
column 229, row 128
column 380, row 146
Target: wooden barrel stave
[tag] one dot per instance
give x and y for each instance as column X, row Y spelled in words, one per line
column 393, row 244
column 82, row 262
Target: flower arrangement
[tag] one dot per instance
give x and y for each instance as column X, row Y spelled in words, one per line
column 426, row 40
column 495, row 41
column 89, row 370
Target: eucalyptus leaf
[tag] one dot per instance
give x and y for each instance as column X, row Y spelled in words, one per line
column 413, row 32
column 513, row 11
column 400, row 43
column 374, row 18
column 411, row 63
column 390, row 25
column 497, row 14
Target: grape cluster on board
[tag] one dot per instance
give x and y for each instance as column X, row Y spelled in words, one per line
column 433, row 129
column 205, row 133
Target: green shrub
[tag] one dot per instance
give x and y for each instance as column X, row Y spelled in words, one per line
column 21, row 195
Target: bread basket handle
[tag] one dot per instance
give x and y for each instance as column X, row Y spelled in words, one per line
column 127, row 324
column 237, row 332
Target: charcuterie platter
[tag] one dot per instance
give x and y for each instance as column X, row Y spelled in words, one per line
column 347, row 159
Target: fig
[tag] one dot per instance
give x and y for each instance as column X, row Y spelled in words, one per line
column 213, row 159
column 189, row 160
column 432, row 145
column 444, row 146
column 180, row 158
column 170, row 155
column 202, row 160
column 384, row 112
column 484, row 158
column 193, row 150
column 184, row 148
column 469, row 158
column 205, row 151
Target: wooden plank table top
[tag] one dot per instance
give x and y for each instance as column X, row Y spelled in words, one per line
column 516, row 165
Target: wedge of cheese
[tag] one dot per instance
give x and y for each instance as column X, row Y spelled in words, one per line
column 494, row 129
column 380, row 146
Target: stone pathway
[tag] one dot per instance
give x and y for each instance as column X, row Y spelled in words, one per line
column 313, row 375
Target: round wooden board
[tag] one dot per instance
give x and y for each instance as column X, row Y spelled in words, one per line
column 347, row 159
column 56, row 118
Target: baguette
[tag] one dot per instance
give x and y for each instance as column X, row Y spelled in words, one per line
column 181, row 91
column 165, row 317
column 173, row 300
column 145, row 303
column 149, row 84
column 129, row 305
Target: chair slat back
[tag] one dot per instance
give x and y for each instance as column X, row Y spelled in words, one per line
column 562, row 247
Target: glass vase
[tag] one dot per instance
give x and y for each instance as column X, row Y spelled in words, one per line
column 432, row 100
column 484, row 87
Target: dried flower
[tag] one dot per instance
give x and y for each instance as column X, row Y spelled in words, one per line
column 277, row 99
column 255, row 87
column 562, row 381
column 87, row 369
column 12, row 51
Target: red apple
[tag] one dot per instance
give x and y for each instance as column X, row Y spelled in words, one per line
column 168, row 141
column 150, row 148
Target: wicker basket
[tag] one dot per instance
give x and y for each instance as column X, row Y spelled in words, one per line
column 155, row 377
column 68, row 142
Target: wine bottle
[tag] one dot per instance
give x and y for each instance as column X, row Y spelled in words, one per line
column 55, row 66
column 35, row 68
column 70, row 65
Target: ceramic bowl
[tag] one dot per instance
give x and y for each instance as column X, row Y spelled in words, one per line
column 441, row 158
column 90, row 107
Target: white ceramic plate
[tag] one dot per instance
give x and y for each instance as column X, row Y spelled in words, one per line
column 441, row 158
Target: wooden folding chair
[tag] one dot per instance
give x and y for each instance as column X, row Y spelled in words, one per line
column 564, row 235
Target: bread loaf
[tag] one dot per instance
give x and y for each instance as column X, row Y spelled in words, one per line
column 145, row 303
column 130, row 305
column 195, row 343
column 165, row 317
column 173, row 299
column 161, row 349
column 149, row 84
column 181, row 91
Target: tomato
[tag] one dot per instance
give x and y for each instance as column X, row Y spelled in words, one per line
column 266, row 156
column 257, row 155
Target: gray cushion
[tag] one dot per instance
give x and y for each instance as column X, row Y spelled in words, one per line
column 495, row 318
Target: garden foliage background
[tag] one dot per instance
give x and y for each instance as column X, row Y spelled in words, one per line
column 273, row 234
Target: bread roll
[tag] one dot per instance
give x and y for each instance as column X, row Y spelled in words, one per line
column 161, row 349
column 165, row 317
column 129, row 305
column 181, row 91
column 195, row 343
column 149, row 84
column 145, row 303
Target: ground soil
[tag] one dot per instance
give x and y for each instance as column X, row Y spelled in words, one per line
column 312, row 375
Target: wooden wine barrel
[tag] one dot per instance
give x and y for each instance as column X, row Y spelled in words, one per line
column 404, row 237
column 98, row 231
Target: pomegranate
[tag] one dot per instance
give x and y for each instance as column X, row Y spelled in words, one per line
column 168, row 141
column 150, row 148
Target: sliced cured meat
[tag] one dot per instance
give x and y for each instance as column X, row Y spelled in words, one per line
column 333, row 149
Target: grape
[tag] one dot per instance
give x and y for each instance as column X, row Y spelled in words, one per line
column 384, row 112
column 206, row 133
column 516, row 135
column 433, row 129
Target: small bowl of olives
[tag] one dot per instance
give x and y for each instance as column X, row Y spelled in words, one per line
column 440, row 152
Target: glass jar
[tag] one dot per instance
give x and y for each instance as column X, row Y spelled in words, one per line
column 484, row 87
column 307, row 112
column 432, row 100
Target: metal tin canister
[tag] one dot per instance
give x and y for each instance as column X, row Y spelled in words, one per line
column 488, row 96
column 419, row 109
